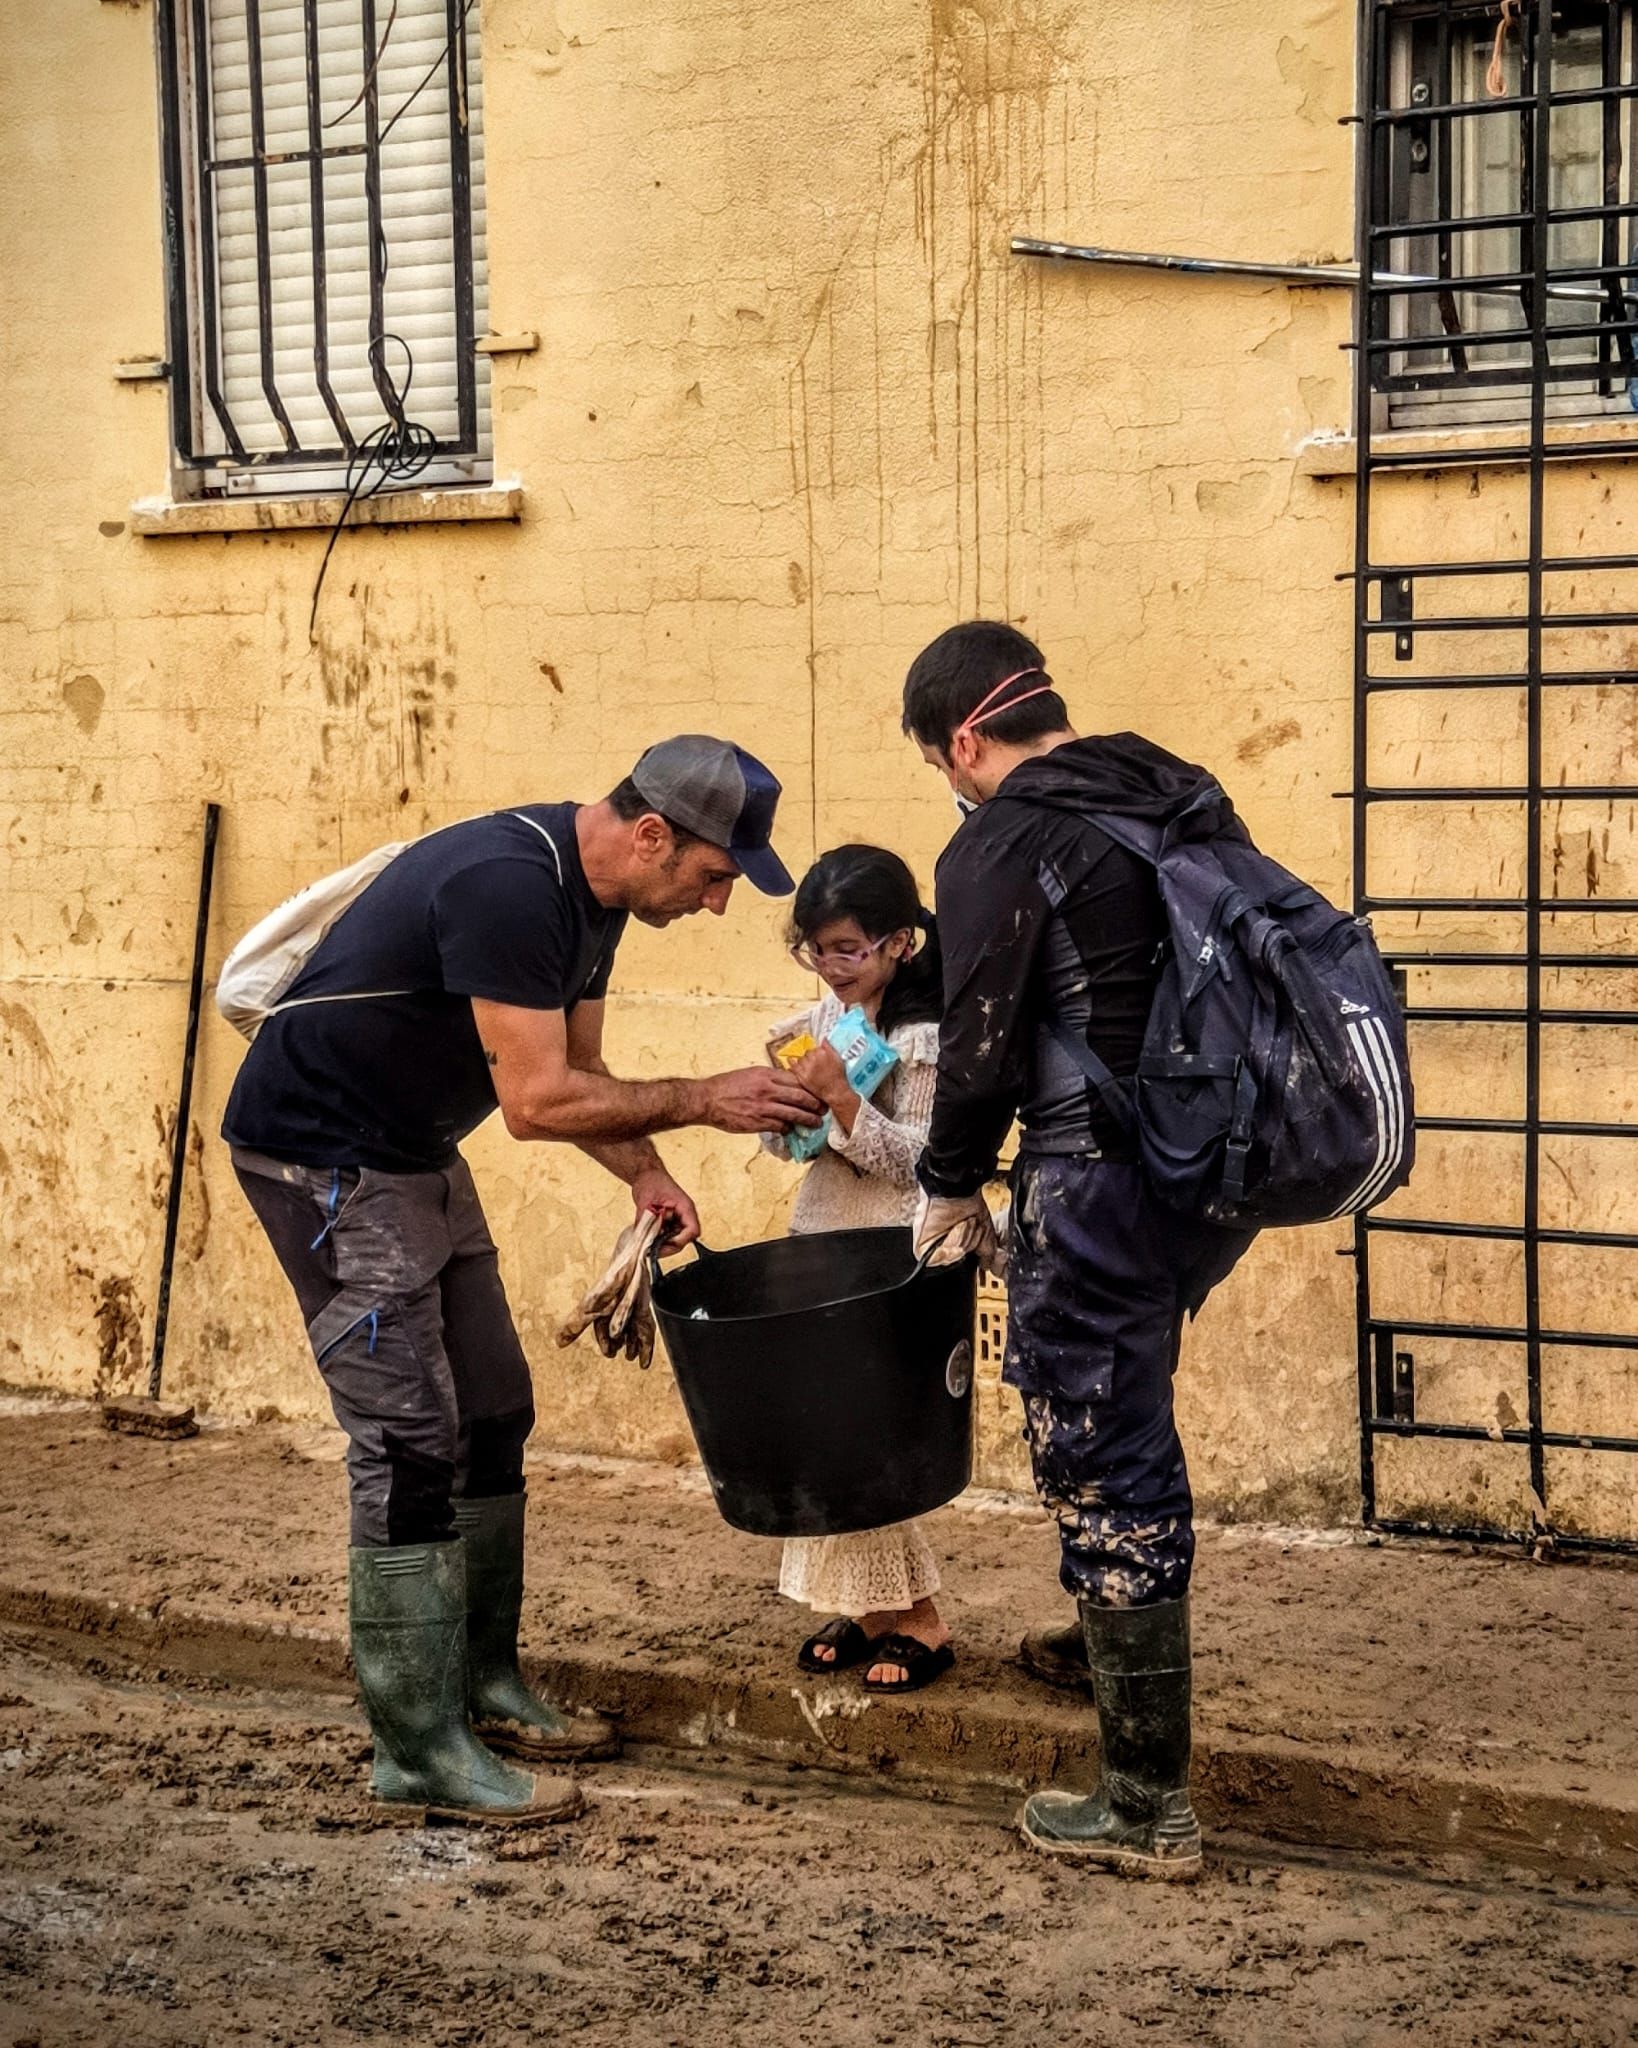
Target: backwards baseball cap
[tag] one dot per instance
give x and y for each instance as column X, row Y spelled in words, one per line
column 721, row 794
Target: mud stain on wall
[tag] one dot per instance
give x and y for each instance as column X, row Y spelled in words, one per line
column 119, row 1336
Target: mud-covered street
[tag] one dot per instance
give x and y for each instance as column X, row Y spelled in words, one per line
column 197, row 1867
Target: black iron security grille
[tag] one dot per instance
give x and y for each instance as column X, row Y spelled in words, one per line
column 1453, row 180
column 1496, row 630
column 325, row 228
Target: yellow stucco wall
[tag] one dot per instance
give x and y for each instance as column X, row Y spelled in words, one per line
column 795, row 409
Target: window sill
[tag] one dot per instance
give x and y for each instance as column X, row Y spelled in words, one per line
column 1338, row 455
column 159, row 518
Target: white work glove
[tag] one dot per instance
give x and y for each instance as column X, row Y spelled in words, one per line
column 947, row 1227
column 615, row 1307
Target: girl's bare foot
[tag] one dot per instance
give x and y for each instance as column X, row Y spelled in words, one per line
column 922, row 1622
column 839, row 1643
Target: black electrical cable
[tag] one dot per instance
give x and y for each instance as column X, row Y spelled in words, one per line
column 369, row 76
column 396, row 452
column 436, row 66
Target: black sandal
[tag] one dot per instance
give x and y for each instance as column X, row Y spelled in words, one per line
column 846, row 1638
column 917, row 1660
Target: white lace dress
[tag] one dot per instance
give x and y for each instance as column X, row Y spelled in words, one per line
column 865, row 1179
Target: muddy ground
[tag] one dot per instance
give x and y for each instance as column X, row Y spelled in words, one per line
column 1478, row 1663
column 197, row 1867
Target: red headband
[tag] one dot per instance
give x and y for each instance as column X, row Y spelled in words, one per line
column 987, row 707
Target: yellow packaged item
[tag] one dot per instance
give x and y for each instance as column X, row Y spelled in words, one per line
column 793, row 1049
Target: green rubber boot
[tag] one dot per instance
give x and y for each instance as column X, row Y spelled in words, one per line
column 1140, row 1818
column 505, row 1712
column 408, row 1613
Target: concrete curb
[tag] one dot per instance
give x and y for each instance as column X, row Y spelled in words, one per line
column 1008, row 1738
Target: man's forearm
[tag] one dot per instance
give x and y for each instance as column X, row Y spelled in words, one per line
column 589, row 1109
column 628, row 1159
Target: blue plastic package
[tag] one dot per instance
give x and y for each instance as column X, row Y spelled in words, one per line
column 867, row 1059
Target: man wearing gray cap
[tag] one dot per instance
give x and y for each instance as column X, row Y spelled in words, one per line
column 470, row 974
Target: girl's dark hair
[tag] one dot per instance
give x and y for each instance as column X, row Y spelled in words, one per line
column 876, row 889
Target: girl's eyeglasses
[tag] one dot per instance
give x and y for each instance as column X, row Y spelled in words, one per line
column 816, row 961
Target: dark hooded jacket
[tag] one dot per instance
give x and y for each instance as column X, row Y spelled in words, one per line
column 1045, row 921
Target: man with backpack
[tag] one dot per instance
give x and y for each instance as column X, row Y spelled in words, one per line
column 1060, row 903
column 469, row 972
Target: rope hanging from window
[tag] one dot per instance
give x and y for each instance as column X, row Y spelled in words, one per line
column 1495, row 79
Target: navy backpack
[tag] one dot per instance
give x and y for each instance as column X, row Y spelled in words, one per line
column 1274, row 1085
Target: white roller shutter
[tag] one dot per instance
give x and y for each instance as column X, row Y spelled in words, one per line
column 419, row 318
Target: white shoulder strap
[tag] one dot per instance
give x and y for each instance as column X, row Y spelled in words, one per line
column 374, row 994
column 557, row 858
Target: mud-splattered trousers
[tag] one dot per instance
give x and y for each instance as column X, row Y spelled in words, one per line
column 1100, row 1280
column 399, row 1286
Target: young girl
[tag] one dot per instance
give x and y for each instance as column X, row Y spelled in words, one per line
column 854, row 923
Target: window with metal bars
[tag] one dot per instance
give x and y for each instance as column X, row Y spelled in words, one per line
column 1456, row 190
column 325, row 236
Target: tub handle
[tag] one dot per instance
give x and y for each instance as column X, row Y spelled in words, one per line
column 926, row 1258
column 704, row 1251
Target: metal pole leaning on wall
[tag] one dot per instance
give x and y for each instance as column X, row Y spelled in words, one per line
column 134, row 1414
column 184, row 1100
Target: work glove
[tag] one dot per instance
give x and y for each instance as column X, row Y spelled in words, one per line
column 946, row 1228
column 616, row 1306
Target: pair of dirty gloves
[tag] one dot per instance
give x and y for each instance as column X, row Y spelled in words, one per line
column 616, row 1307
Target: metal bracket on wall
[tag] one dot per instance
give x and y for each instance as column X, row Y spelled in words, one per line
column 1395, row 1377
column 1399, row 606
column 142, row 370
column 524, row 343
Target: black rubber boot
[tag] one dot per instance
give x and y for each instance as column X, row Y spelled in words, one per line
column 1140, row 1818
column 1057, row 1656
column 408, row 1614
column 505, row 1712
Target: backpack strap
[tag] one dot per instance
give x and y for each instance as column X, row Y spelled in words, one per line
column 1134, row 834
column 1116, row 1096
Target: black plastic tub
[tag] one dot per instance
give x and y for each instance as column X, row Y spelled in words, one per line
column 828, row 1383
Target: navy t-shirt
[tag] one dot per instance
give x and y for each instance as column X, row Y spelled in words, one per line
column 496, row 907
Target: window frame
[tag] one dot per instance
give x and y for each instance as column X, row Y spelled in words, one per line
column 191, row 253
column 1441, row 395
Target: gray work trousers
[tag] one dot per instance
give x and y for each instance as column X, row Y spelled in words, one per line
column 399, row 1285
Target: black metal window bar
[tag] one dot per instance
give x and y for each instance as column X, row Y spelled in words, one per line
column 323, row 179
column 1455, row 190
column 1498, row 1295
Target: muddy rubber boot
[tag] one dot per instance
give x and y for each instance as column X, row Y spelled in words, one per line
column 505, row 1712
column 1140, row 1818
column 1057, row 1656
column 407, row 1608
